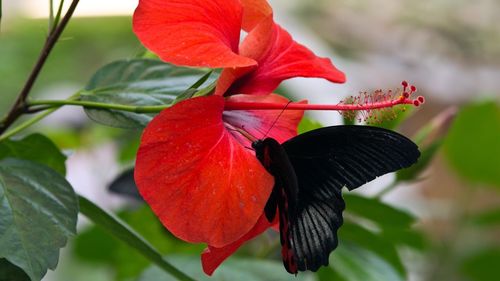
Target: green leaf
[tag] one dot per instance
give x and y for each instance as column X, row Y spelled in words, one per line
column 376, row 243
column 472, row 146
column 373, row 209
column 356, row 263
column 36, row 148
column 483, row 266
column 327, row 273
column 10, row 272
column 38, row 212
column 487, row 218
column 123, row 232
column 124, row 185
column 129, row 145
column 138, row 82
column 405, row 236
column 395, row 225
column 239, row 269
column 426, row 155
column 307, row 124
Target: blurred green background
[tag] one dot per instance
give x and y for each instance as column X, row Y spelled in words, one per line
column 449, row 49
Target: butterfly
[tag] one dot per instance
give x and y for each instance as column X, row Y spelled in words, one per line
column 310, row 171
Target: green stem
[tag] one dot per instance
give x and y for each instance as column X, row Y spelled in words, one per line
column 27, row 124
column 387, row 189
column 123, row 232
column 91, row 104
column 33, row 120
column 0, row 13
column 51, row 14
column 58, row 15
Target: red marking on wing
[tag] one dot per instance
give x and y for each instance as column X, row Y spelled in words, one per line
column 287, row 252
column 269, row 155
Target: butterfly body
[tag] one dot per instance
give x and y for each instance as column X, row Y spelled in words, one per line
column 310, row 171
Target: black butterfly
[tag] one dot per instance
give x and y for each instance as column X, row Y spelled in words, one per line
column 310, row 171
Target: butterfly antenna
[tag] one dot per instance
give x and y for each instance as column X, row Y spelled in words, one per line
column 277, row 118
column 242, row 131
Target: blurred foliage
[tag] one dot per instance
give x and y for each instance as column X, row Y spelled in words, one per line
column 96, row 246
column 241, row 269
column 427, row 154
column 488, row 218
column 483, row 266
column 462, row 30
column 23, row 40
column 307, row 124
column 473, row 144
column 357, row 263
column 10, row 272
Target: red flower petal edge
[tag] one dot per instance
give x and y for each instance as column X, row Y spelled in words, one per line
column 192, row 32
column 198, row 179
column 279, row 57
column 254, row 11
column 212, row 257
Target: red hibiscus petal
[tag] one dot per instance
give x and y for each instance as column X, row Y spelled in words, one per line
column 202, row 184
column 278, row 124
column 279, row 58
column 254, row 11
column 212, row 257
column 192, row 32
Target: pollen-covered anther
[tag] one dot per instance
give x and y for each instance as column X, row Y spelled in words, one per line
column 379, row 105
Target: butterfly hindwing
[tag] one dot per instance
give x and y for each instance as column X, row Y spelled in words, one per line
column 325, row 160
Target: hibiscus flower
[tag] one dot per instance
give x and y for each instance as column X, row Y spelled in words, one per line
column 195, row 167
column 206, row 33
